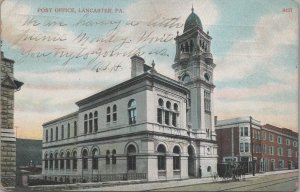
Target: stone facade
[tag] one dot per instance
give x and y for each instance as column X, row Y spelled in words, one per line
column 8, row 140
column 149, row 127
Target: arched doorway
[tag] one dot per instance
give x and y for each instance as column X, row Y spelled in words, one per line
column 191, row 161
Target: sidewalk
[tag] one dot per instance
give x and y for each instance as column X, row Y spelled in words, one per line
column 167, row 184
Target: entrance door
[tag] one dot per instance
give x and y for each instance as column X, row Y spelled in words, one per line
column 191, row 161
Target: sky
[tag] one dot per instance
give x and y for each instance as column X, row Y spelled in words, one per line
column 58, row 47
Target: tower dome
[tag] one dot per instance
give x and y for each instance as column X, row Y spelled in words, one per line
column 192, row 21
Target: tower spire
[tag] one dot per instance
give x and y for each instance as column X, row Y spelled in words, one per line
column 192, row 8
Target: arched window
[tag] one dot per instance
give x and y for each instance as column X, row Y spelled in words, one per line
column 75, row 128
column 46, row 135
column 51, row 161
column 56, row 133
column 85, row 159
column 131, row 157
column 69, row 130
column 68, row 160
column 51, row 134
column 206, row 76
column 113, row 157
column 46, row 161
column 90, row 122
column 62, row 161
column 62, row 132
column 108, row 114
column 95, row 154
column 96, row 121
column 85, row 124
column 115, row 113
column 160, row 111
column 161, row 158
column 174, row 115
column 167, row 113
column 56, row 161
column 176, row 158
column 107, row 158
column 74, row 160
column 132, row 111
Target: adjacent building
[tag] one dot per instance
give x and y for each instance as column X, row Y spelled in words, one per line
column 244, row 139
column 9, row 85
column 149, row 127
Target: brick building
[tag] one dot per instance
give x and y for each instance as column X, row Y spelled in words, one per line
column 279, row 148
column 271, row 147
column 8, row 139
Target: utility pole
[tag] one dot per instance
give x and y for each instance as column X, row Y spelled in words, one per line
column 253, row 164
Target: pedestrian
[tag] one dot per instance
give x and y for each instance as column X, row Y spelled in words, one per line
column 200, row 172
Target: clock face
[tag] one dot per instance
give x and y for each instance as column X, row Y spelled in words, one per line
column 206, row 76
column 186, row 78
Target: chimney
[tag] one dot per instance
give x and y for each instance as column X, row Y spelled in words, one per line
column 137, row 66
column 216, row 120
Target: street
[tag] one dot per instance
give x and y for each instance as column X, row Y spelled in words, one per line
column 280, row 182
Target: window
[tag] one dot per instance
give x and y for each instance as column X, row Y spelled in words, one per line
column 68, row 160
column 108, row 114
column 95, row 121
column 258, row 135
column 280, row 151
column 244, row 131
column 51, row 161
column 62, row 161
column 56, row 133
column 84, row 159
column 95, row 155
column 186, row 78
column 246, row 147
column 265, row 135
column 115, row 113
column 107, row 158
column 85, row 124
column 75, row 160
column 46, row 135
column 131, row 157
column 56, row 161
column 279, row 140
column 288, row 142
column 176, row 158
column 69, row 130
column 271, row 137
column 51, row 134
column 90, row 122
column 174, row 119
column 159, row 115
column 161, row 158
column 167, row 117
column 289, row 153
column 295, row 143
column 258, row 148
column 242, row 147
column 46, row 161
column 113, row 157
column 271, row 150
column 75, row 128
column 132, row 111
column 207, row 101
column 62, row 132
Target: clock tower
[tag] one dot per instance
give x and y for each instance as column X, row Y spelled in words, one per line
column 194, row 68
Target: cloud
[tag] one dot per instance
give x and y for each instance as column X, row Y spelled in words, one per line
column 272, row 34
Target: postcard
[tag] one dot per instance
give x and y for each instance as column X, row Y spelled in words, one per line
column 135, row 95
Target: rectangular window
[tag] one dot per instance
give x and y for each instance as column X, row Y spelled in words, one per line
column 207, row 102
column 90, row 125
column 51, row 134
column 85, row 127
column 159, row 116
column 258, row 135
column 280, row 151
column 279, row 140
column 167, row 117
column 62, row 132
column 295, row 143
column 75, row 129
column 271, row 137
column 289, row 153
column 69, row 131
column 108, row 118
column 271, row 150
column 95, row 125
column 46, row 135
column 242, row 148
column 288, row 142
column 246, row 147
column 265, row 135
column 174, row 119
column 246, row 131
column 56, row 133
column 241, row 131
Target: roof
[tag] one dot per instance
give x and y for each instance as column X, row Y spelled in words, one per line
column 12, row 82
column 192, row 21
column 281, row 130
column 61, row 118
